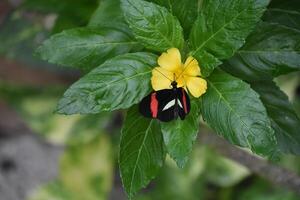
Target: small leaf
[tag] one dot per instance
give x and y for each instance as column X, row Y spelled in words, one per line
column 153, row 25
column 235, row 111
column 272, row 50
column 141, row 151
column 179, row 136
column 86, row 48
column 286, row 13
column 284, row 119
column 222, row 27
column 118, row 83
column 185, row 10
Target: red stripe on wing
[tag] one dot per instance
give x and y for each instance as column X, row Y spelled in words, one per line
column 154, row 105
column 184, row 102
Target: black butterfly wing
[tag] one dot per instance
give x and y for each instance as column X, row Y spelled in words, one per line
column 166, row 105
column 173, row 105
column 184, row 99
column 144, row 106
column 166, row 110
column 151, row 104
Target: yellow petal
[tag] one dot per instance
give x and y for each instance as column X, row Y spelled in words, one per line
column 161, row 79
column 171, row 60
column 191, row 67
column 180, row 79
column 196, row 86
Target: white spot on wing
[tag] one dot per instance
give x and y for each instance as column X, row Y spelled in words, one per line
column 169, row 105
column 172, row 103
column 179, row 103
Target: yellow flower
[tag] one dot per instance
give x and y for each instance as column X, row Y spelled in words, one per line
column 187, row 75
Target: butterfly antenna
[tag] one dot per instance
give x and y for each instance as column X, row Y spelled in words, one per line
column 185, row 68
column 163, row 74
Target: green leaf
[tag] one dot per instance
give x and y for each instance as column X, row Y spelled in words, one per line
column 284, row 12
column 185, row 10
column 109, row 14
column 86, row 48
column 108, row 11
column 235, row 111
column 116, row 84
column 141, row 151
column 221, row 29
column 272, row 50
column 208, row 63
column 180, row 135
column 284, row 119
column 153, row 25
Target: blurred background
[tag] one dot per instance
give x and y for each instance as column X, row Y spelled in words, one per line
column 45, row 156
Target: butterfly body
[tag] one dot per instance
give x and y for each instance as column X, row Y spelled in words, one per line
column 166, row 105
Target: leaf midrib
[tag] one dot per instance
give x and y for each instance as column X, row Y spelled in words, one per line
column 217, row 32
column 232, row 109
column 127, row 78
column 286, row 133
column 284, row 11
column 98, row 44
column 138, row 157
column 153, row 26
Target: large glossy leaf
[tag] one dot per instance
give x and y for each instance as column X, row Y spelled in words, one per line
column 141, row 151
column 221, row 29
column 272, row 50
column 235, row 111
column 116, row 84
column 179, row 136
column 185, row 10
column 86, row 48
column 284, row 119
column 154, row 26
column 284, row 12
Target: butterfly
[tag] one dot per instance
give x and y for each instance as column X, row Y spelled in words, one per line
column 166, row 105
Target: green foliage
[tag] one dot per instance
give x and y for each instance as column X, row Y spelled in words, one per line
column 212, row 31
column 153, row 25
column 191, row 183
column 235, row 111
column 179, row 136
column 141, row 151
column 221, row 29
column 109, row 14
column 284, row 119
column 118, row 83
column 66, row 10
column 261, row 191
column 270, row 51
column 18, row 37
column 284, row 12
column 86, row 48
column 185, row 10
